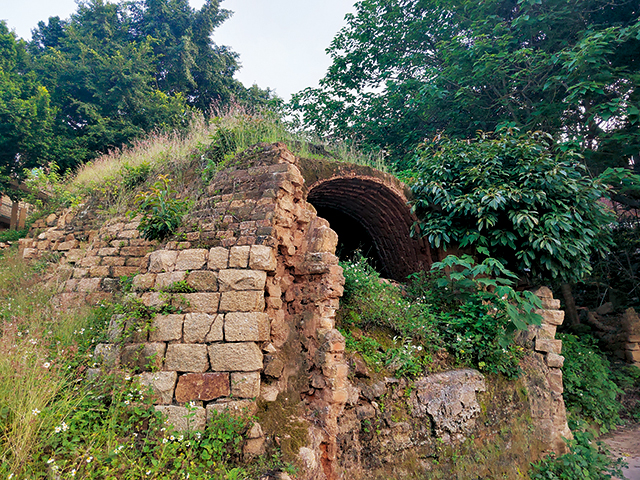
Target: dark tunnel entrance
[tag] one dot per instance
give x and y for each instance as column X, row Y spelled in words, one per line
column 352, row 237
column 371, row 217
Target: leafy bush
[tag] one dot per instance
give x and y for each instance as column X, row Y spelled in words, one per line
column 161, row 211
column 437, row 310
column 589, row 390
column 587, row 460
column 535, row 210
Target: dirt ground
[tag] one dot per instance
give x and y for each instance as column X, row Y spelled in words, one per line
column 625, row 443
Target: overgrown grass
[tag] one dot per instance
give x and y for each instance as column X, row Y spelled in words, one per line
column 189, row 158
column 59, row 421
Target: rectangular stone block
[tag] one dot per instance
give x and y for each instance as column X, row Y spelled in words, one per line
column 107, row 355
column 89, row 285
column 547, row 345
column 143, row 356
column 247, row 301
column 198, row 302
column 202, row 386
column 235, row 357
column 187, row 358
column 108, row 252
column 246, row 327
column 90, row 261
column 100, row 271
column 70, row 245
column 203, row 280
column 193, row 259
column 236, row 279
column 162, row 261
column 218, row 258
column 166, row 280
column 553, row 317
column 162, row 383
column 113, row 261
column 233, row 407
column 239, row 257
column 555, row 380
column 554, row 360
column 632, row 355
column 202, row 327
column 184, row 419
column 123, row 271
column 134, row 251
column 262, row 257
column 245, row 384
column 166, row 328
column 144, row 282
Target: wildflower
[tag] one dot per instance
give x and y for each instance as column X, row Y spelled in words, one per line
column 126, row 402
column 35, row 411
column 89, row 459
column 51, row 460
column 128, row 377
column 164, row 440
column 73, row 472
column 148, row 472
column 46, row 364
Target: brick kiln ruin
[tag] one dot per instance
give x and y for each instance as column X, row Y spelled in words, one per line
column 257, row 328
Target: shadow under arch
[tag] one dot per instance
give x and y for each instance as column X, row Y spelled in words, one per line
column 369, row 209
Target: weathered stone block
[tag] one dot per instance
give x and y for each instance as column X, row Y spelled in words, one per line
column 202, row 386
column 199, row 302
column 247, row 301
column 134, row 251
column 218, row 258
column 183, row 419
column 235, row 357
column 162, row 261
column 230, row 280
column 90, row 261
column 555, row 380
column 187, row 358
column 553, row 317
column 100, row 271
column 162, row 383
column 108, row 252
column 233, row 407
column 553, row 360
column 74, row 256
column 107, row 354
column 70, row 245
column 239, row 257
column 143, row 356
column 144, row 282
column 124, row 271
column 89, row 285
column 166, row 280
column 632, row 355
column 193, row 259
column 166, row 328
column 246, row 327
column 245, row 384
column 113, row 261
column 203, row 281
column 202, row 327
column 153, row 299
column 262, row 258
column 273, row 366
column 547, row 345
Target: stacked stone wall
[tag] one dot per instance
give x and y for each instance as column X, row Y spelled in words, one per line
column 245, row 296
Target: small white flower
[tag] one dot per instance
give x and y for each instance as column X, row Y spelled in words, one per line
column 126, row 402
column 57, row 429
column 128, row 377
column 51, row 460
column 65, row 427
column 35, row 411
column 73, row 472
column 89, row 459
column 164, row 440
column 46, row 364
column 148, row 472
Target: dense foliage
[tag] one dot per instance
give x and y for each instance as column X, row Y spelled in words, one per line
column 404, row 70
column 535, row 209
column 454, row 312
column 587, row 460
column 589, row 390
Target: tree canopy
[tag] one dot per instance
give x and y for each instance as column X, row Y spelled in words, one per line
column 404, row 70
column 108, row 74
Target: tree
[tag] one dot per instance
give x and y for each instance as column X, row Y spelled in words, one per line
column 404, row 70
column 25, row 113
column 511, row 197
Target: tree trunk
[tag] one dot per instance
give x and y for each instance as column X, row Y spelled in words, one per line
column 571, row 313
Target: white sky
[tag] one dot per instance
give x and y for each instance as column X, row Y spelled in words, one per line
column 281, row 42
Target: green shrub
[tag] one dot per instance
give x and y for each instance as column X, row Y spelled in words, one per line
column 535, row 209
column 589, row 390
column 161, row 211
column 587, row 460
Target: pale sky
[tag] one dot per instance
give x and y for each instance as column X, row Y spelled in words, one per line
column 281, row 42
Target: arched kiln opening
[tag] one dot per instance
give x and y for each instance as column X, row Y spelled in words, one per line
column 368, row 215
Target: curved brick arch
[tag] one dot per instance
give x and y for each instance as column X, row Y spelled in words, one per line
column 378, row 202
